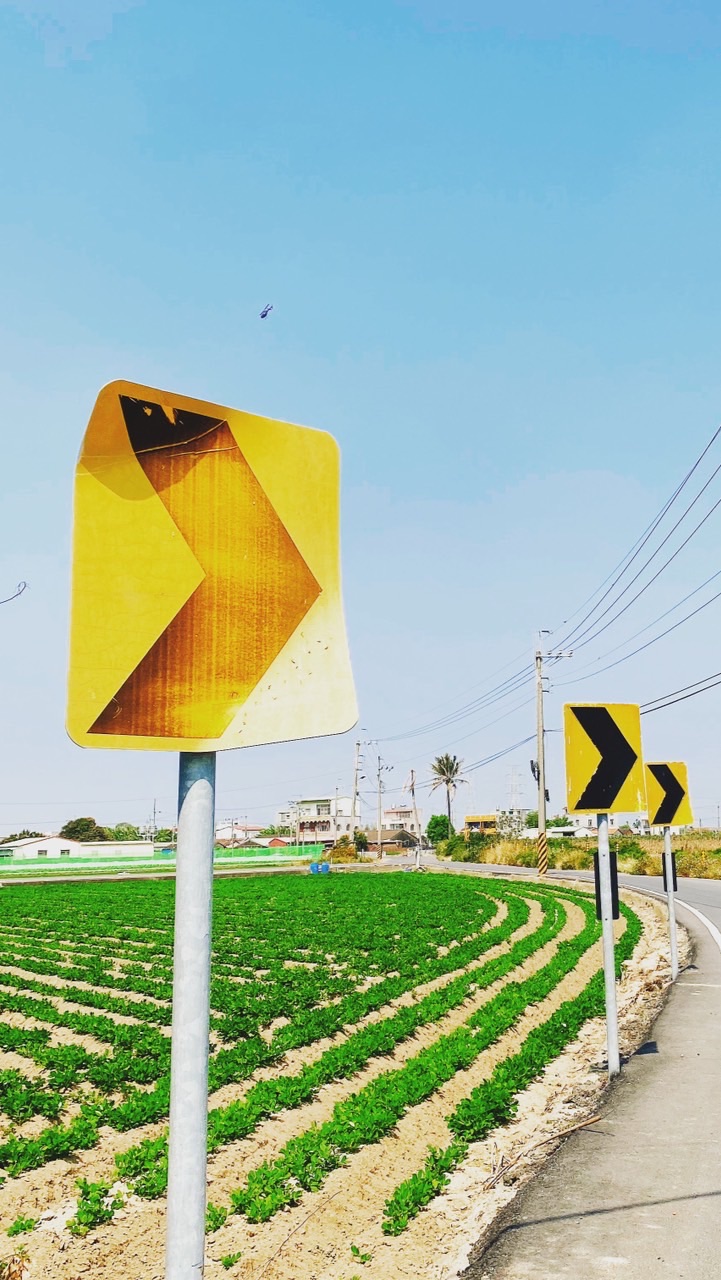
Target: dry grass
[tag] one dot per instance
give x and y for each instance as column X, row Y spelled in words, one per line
column 698, row 854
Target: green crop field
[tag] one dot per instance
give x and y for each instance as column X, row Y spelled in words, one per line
column 347, row 1012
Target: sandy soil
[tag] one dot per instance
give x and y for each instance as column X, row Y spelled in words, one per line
column 312, row 1241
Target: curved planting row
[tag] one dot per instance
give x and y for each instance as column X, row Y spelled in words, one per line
column 141, row 1056
column 494, row 1102
column 385, row 987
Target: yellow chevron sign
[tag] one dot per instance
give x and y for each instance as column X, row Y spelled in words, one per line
column 669, row 804
column 206, row 603
column 604, row 764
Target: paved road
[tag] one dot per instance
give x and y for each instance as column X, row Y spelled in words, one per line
column 639, row 1194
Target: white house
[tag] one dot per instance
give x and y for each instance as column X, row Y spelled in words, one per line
column 233, row 831
column 401, row 818
column 60, row 847
column 320, row 820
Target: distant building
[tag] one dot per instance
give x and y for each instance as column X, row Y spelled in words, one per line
column 320, row 820
column 263, row 842
column 35, row 847
column 485, row 823
column 511, row 823
column 402, row 818
column 391, row 839
column 232, row 831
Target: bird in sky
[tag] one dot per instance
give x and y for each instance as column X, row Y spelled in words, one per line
column 266, row 309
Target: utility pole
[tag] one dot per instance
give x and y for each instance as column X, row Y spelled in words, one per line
column 541, row 768
column 539, row 771
column 382, row 768
column 380, row 814
column 356, row 769
column 416, row 823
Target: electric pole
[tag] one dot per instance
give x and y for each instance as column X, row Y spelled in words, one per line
column 416, row 823
column 380, row 814
column 382, row 768
column 356, row 769
column 538, row 767
column 541, row 768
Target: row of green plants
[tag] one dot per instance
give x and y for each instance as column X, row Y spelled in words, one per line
column 495, row 1101
column 144, row 1062
column 370, row 1114
column 139, row 1010
column 146, row 1164
column 386, row 927
column 268, row 987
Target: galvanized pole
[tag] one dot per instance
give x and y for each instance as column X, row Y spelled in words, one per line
column 541, row 750
column 380, row 814
column 668, row 863
column 185, row 1238
column 609, row 955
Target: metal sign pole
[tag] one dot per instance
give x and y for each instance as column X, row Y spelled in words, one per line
column 670, row 887
column 609, row 956
column 185, row 1234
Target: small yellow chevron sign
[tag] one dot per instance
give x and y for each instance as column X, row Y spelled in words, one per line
column 206, row 605
column 669, row 804
column 604, row 764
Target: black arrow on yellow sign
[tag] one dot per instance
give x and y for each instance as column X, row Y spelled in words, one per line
column 256, row 586
column 617, row 758
column 674, row 793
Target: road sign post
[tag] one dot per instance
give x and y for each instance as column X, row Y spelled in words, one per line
column 670, row 878
column 206, row 614
column 669, row 804
column 187, row 1153
column 604, row 774
column 605, row 894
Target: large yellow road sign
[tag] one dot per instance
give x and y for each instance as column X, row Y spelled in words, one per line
column 206, row 605
column 604, row 765
column 669, row 803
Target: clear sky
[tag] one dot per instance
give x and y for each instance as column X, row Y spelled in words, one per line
column 490, row 233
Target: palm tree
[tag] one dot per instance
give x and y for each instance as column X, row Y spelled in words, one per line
column 447, row 772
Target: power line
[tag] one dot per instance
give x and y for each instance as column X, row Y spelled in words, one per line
column 480, row 685
column 649, row 625
column 497, row 755
column 626, row 563
column 650, row 582
column 680, row 695
column 480, row 729
column 640, row 649
column 514, row 682
column 481, row 764
column 504, row 690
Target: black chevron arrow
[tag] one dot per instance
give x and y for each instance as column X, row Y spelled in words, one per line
column 617, row 758
column 675, row 793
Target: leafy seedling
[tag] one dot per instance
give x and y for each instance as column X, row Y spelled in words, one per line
column 215, row 1216
column 230, row 1259
column 359, row 1256
column 95, row 1206
column 21, row 1224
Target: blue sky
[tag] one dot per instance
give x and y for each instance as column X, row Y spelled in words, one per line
column 490, row 235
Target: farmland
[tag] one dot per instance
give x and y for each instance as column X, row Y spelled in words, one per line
column 366, row 1032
